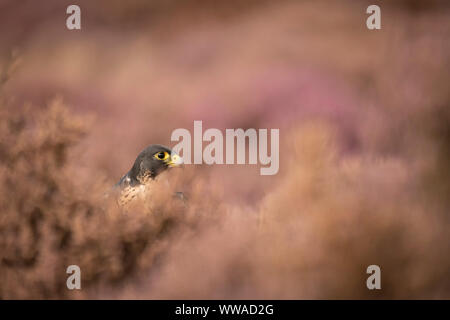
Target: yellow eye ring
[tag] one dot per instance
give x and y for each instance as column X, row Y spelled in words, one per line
column 162, row 155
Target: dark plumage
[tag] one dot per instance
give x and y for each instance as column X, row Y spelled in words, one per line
column 151, row 162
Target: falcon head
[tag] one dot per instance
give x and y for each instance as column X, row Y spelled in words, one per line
column 149, row 164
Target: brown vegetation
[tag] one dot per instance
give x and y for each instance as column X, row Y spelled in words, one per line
column 364, row 132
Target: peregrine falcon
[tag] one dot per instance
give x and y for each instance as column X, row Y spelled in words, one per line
column 151, row 162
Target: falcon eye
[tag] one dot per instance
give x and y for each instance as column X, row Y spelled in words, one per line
column 161, row 155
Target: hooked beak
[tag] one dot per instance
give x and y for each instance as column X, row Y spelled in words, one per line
column 175, row 160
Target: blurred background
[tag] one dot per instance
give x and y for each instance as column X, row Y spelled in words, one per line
column 364, row 148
